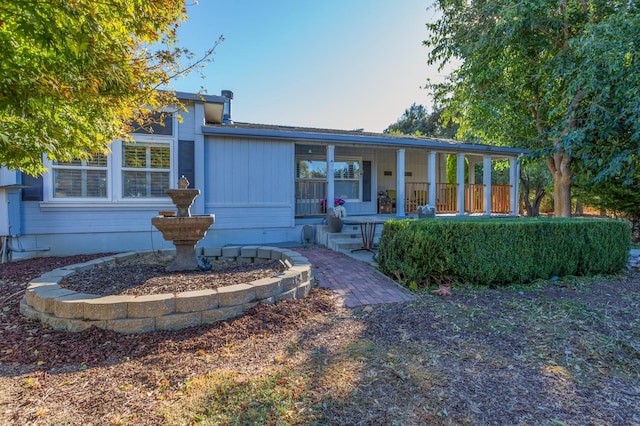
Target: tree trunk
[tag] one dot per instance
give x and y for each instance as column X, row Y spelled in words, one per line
column 560, row 163
column 560, row 167
column 535, row 208
column 532, row 209
column 524, row 194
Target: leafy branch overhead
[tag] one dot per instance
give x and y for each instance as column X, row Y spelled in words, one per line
column 75, row 74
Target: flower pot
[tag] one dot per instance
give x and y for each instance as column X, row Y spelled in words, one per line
column 335, row 224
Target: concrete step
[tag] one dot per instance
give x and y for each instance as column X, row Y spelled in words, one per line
column 339, row 244
column 348, row 239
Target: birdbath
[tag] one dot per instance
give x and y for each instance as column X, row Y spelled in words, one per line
column 183, row 229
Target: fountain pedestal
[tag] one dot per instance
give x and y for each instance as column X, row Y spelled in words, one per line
column 184, row 230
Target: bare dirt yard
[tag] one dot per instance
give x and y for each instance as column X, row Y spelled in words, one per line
column 550, row 353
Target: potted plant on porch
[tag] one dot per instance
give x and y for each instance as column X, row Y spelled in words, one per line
column 338, row 213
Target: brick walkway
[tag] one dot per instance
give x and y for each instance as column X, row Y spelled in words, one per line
column 355, row 282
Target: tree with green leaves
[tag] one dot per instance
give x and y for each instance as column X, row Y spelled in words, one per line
column 416, row 120
column 75, row 74
column 614, row 196
column 561, row 77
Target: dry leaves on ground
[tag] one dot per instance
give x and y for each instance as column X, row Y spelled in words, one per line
column 566, row 352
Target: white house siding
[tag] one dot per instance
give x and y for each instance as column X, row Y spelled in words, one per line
column 249, row 187
column 87, row 229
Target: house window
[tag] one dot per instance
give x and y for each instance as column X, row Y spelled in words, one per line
column 311, row 169
column 146, row 169
column 347, row 175
column 347, row 179
column 80, row 178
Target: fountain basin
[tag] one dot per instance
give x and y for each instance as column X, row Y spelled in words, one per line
column 185, row 232
column 183, row 228
column 183, row 198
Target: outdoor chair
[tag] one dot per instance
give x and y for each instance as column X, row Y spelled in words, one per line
column 393, row 195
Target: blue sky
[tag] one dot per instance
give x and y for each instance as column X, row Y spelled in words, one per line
column 339, row 64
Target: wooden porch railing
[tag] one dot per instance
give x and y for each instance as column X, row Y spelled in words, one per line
column 416, row 194
column 474, row 198
column 446, row 198
column 309, row 194
column 500, row 198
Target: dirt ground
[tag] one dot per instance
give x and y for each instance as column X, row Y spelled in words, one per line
column 557, row 353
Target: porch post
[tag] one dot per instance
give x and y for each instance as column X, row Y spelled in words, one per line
column 486, row 180
column 400, row 183
column 514, row 172
column 330, row 178
column 431, row 177
column 460, row 180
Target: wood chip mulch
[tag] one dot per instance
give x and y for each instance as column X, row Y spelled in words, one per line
column 147, row 275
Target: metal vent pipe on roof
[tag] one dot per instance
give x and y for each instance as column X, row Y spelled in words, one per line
column 226, row 115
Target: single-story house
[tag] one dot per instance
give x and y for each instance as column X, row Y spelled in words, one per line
column 262, row 182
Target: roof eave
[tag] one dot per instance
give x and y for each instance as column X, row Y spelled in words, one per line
column 297, row 136
column 199, row 97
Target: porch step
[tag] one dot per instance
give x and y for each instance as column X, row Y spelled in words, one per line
column 350, row 238
column 340, row 244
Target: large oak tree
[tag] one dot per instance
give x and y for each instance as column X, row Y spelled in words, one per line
column 74, row 74
column 559, row 76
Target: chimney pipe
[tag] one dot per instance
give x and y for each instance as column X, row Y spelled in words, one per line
column 226, row 115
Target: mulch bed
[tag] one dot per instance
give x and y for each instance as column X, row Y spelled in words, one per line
column 147, row 275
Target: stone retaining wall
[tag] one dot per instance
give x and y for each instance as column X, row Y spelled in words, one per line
column 65, row 309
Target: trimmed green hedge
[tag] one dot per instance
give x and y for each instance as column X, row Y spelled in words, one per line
column 495, row 251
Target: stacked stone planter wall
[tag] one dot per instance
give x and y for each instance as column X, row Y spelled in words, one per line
column 65, row 309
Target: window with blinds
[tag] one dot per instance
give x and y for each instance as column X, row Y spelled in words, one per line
column 347, row 176
column 146, row 170
column 81, row 178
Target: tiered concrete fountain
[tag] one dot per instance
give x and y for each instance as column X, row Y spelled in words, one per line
column 183, row 229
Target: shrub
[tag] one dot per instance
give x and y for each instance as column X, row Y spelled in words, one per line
column 500, row 251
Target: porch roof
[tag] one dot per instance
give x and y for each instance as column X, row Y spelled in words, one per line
column 352, row 137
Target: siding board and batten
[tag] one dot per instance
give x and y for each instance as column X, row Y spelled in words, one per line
column 249, row 182
column 186, row 129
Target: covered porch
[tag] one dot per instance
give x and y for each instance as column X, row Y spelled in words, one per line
column 384, row 180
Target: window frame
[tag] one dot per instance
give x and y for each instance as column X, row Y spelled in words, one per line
column 144, row 140
column 326, row 178
column 52, row 166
